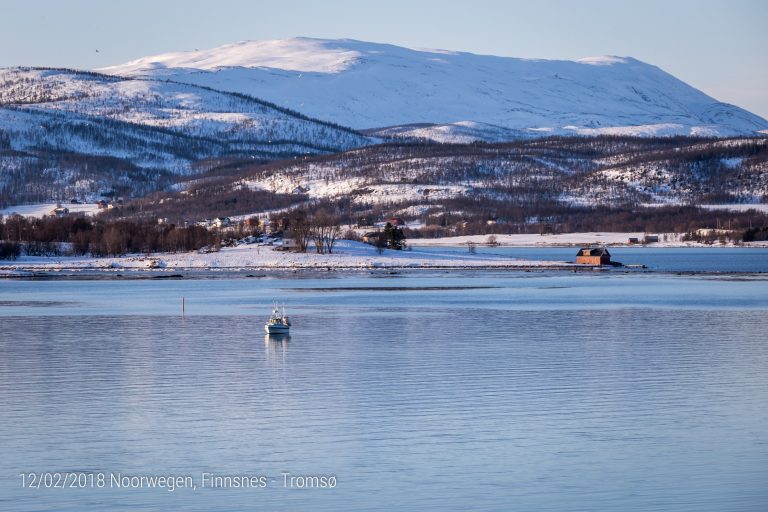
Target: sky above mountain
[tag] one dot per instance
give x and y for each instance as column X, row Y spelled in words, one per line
column 718, row 47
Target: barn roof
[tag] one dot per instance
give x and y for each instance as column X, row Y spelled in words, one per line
column 593, row 251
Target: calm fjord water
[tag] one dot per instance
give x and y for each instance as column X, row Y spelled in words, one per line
column 665, row 259
column 444, row 391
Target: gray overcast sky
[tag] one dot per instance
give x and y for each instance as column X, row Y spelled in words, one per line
column 720, row 47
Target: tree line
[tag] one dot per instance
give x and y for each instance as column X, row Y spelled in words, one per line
column 79, row 235
column 502, row 217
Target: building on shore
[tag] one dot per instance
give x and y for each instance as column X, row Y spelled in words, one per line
column 593, row 256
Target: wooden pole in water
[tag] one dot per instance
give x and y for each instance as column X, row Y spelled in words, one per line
column 182, row 306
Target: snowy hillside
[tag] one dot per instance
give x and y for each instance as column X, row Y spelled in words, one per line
column 239, row 124
column 462, row 132
column 410, row 180
column 88, row 132
column 368, row 85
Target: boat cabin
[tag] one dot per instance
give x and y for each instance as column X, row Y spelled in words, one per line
column 593, row 256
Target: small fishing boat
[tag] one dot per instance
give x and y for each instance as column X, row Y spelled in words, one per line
column 278, row 323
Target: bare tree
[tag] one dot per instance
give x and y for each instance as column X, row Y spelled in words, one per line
column 301, row 230
column 331, row 236
column 325, row 231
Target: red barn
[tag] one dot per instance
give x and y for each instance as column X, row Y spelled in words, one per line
column 593, row 256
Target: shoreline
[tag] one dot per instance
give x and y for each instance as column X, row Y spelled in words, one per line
column 262, row 273
column 349, row 256
column 188, row 274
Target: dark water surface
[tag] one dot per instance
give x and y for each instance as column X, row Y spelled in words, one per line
column 478, row 391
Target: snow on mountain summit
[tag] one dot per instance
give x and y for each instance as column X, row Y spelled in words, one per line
column 603, row 60
column 299, row 54
column 370, row 85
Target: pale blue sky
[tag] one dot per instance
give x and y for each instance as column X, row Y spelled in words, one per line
column 720, row 47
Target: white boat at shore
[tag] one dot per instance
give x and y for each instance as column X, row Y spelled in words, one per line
column 278, row 323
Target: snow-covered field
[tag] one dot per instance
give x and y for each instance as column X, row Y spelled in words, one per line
column 347, row 255
column 532, row 240
column 43, row 209
column 737, row 207
column 563, row 240
column 732, row 207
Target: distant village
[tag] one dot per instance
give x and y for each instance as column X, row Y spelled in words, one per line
column 102, row 204
column 68, row 229
column 289, row 233
column 388, row 233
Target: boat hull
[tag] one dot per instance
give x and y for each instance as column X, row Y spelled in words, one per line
column 276, row 329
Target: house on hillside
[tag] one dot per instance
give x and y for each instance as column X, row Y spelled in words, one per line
column 221, row 222
column 593, row 256
column 59, row 211
column 372, row 237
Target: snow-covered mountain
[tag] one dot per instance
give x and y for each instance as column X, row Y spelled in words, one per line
column 82, row 133
column 153, row 110
column 454, row 96
column 134, row 129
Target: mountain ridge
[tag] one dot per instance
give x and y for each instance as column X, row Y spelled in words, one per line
column 65, row 129
column 371, row 85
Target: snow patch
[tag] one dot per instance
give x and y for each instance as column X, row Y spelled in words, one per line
column 299, row 54
column 732, row 163
column 603, row 60
column 44, row 209
column 760, row 207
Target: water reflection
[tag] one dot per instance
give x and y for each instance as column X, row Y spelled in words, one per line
column 275, row 339
column 276, row 347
